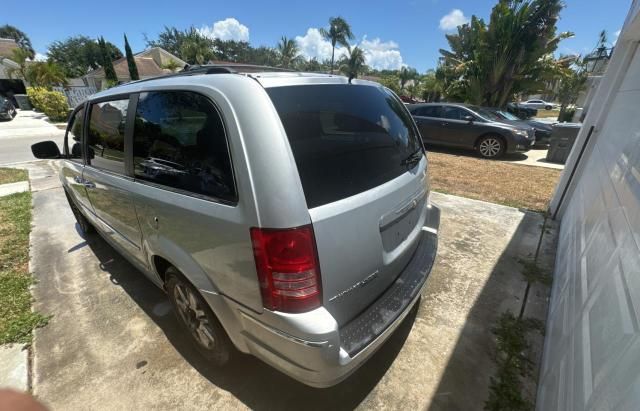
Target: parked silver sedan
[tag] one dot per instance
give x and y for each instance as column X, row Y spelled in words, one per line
column 538, row 104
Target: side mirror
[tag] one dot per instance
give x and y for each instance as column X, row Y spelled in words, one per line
column 45, row 149
column 469, row 118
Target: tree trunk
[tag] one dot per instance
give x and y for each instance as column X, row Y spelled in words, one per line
column 333, row 51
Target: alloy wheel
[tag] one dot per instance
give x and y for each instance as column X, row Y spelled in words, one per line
column 193, row 316
column 490, row 147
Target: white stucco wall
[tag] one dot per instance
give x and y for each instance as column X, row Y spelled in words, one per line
column 592, row 347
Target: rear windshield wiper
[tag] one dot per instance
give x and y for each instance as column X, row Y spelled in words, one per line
column 412, row 159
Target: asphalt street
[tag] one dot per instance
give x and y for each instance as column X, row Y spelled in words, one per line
column 17, row 136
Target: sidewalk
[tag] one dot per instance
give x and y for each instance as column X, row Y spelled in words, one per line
column 533, row 157
column 12, row 188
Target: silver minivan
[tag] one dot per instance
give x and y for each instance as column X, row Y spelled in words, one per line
column 286, row 215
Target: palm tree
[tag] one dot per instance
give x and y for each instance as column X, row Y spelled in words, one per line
column 287, row 52
column 46, row 74
column 196, row 48
column 490, row 62
column 171, row 65
column 406, row 75
column 354, row 64
column 339, row 33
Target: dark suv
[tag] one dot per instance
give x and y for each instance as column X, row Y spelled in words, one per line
column 470, row 127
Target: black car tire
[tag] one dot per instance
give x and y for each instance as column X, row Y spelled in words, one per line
column 548, row 108
column 195, row 317
column 491, row 146
column 82, row 221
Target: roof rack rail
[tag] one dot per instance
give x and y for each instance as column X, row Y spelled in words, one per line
column 205, row 69
column 232, row 68
column 220, row 68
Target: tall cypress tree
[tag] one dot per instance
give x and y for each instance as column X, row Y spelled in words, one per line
column 131, row 62
column 107, row 64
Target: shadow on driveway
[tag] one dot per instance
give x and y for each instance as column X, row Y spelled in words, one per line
column 466, row 377
column 251, row 381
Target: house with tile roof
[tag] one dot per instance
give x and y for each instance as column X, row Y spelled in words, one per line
column 150, row 63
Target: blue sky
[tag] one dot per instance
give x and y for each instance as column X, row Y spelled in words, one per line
column 391, row 32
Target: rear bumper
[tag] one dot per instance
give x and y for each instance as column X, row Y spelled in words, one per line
column 311, row 347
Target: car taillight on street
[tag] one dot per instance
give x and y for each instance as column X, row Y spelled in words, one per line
column 288, row 268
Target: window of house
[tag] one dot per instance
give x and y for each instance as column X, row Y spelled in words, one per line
column 180, row 142
column 106, row 135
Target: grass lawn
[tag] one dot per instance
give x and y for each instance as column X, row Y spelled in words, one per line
column 16, row 318
column 12, row 175
column 493, row 181
column 548, row 113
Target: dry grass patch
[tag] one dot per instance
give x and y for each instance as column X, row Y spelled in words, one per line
column 493, row 181
column 548, row 113
column 12, row 175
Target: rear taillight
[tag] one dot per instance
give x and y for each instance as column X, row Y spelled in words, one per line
column 288, row 269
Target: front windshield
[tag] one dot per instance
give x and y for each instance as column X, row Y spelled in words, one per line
column 507, row 115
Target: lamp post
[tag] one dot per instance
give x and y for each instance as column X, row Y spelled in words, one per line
column 597, row 60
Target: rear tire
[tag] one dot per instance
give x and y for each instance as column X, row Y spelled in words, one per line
column 548, row 108
column 82, row 221
column 491, row 146
column 195, row 317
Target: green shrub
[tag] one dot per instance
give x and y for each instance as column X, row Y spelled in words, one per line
column 52, row 103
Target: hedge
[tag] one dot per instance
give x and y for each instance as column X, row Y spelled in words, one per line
column 52, row 103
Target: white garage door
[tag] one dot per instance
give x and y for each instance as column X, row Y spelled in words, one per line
column 592, row 347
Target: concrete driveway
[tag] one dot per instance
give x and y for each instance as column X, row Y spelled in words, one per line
column 113, row 342
column 27, row 128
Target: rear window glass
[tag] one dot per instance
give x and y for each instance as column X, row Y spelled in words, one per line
column 345, row 138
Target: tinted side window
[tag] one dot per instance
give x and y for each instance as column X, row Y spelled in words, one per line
column 106, row 135
column 454, row 113
column 180, row 142
column 75, row 136
column 429, row 111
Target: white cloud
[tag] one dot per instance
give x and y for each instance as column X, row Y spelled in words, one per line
column 40, row 57
column 313, row 45
column 378, row 54
column 452, row 20
column 227, row 29
column 381, row 55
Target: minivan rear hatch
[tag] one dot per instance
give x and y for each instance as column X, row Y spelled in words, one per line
column 363, row 172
